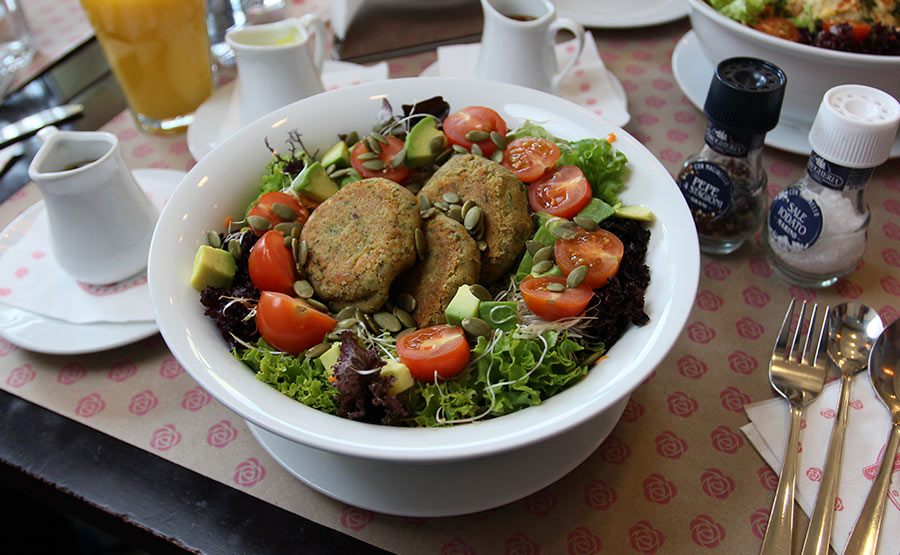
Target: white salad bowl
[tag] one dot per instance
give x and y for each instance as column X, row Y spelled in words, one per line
column 418, row 471
column 810, row 70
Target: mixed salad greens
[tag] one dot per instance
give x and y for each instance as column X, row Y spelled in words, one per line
column 547, row 322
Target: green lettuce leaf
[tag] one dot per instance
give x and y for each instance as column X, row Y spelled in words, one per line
column 603, row 166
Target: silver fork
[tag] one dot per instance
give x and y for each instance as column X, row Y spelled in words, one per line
column 798, row 375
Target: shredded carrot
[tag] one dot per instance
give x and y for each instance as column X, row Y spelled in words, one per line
column 332, row 379
column 228, row 221
column 611, row 138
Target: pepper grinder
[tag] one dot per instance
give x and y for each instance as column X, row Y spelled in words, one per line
column 725, row 184
column 816, row 229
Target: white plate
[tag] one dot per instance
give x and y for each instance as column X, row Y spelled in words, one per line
column 612, row 14
column 693, row 72
column 43, row 334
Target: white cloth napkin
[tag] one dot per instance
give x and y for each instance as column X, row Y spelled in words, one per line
column 868, row 426
column 589, row 83
column 32, row 280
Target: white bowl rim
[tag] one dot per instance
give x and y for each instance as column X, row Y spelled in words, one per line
column 306, row 425
column 803, row 50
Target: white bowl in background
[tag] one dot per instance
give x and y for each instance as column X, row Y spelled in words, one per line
column 431, row 472
column 810, row 70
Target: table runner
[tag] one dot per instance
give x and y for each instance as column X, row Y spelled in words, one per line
column 674, row 476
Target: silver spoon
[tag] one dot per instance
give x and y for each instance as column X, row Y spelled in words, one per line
column 852, row 329
column 884, row 371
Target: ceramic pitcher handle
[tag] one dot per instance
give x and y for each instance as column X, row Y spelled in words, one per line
column 316, row 26
column 566, row 24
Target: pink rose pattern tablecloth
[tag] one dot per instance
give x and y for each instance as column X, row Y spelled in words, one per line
column 57, row 27
column 675, row 475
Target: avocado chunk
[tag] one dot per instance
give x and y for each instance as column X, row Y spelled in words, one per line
column 403, row 379
column 212, row 268
column 464, row 304
column 314, row 182
column 499, row 314
column 635, row 212
column 339, row 155
column 597, row 210
column 330, row 357
column 423, row 143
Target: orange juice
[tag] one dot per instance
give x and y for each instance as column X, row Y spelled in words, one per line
column 159, row 53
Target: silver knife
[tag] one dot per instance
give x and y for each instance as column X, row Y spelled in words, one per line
column 26, row 126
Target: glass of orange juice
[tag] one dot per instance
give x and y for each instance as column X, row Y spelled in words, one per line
column 159, row 53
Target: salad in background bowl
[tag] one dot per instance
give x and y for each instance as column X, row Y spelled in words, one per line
column 333, row 454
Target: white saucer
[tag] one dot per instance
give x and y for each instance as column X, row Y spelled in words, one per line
column 43, row 334
column 617, row 88
column 610, row 14
column 693, row 72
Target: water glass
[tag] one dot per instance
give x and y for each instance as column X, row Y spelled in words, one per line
column 16, row 46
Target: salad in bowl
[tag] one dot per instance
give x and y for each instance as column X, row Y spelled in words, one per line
column 513, row 397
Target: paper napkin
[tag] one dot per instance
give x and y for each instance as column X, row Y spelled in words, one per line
column 589, row 83
column 868, row 426
column 31, row 279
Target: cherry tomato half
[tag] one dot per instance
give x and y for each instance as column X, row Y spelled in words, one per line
column 289, row 324
column 388, row 151
column 263, row 208
column 529, row 157
column 553, row 305
column 563, row 192
column 778, row 27
column 271, row 264
column 474, row 118
column 438, row 349
column 859, row 30
column 600, row 250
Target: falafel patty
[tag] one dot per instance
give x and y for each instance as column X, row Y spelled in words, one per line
column 503, row 200
column 452, row 260
column 359, row 240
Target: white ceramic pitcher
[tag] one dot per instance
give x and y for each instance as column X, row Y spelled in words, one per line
column 278, row 63
column 517, row 44
column 101, row 222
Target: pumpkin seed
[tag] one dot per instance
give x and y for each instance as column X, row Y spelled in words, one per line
column 407, row 330
column 533, row 246
column 295, row 249
column 482, row 245
column 421, row 246
column 477, row 327
column 476, row 150
column 318, row 305
column 497, row 156
column 352, row 138
column 425, row 214
column 346, row 312
column 405, row 301
column 367, row 156
column 295, row 232
column 467, row 206
column 499, row 140
column 283, row 211
column 455, row 213
column 424, row 203
column 591, row 360
column 340, row 173
column 302, row 253
column 510, row 137
column 346, row 323
column 370, row 323
column 555, row 287
column 234, row 247
column 481, row 292
column 405, row 317
column 236, row 226
column 330, row 169
column 387, row 321
column 213, row 239
column 436, row 145
column 258, row 223
column 542, row 266
column 545, row 253
column 443, row 156
column 303, row 289
column 586, row 224
column 460, row 149
column 373, row 145
column 318, row 350
column 562, row 232
column 441, row 205
column 287, row 241
column 576, row 276
column 286, row 228
column 398, row 158
column 414, row 187
column 451, row 198
column 477, row 135
column 473, row 218
column 379, row 137
column 374, row 165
